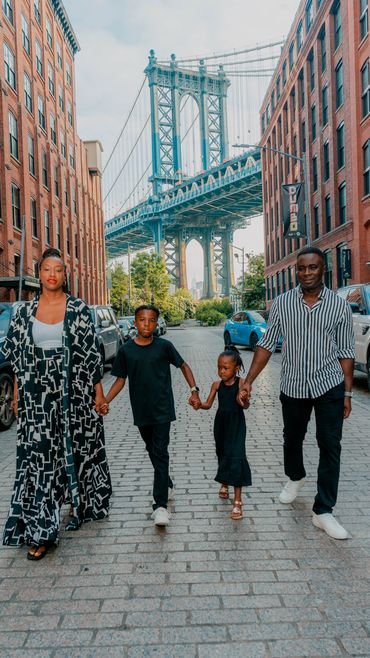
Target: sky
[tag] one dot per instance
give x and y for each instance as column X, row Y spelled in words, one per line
column 115, row 37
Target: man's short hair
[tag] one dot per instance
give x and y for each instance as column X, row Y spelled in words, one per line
column 147, row 307
column 311, row 250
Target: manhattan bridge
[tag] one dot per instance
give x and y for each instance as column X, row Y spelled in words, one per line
column 174, row 175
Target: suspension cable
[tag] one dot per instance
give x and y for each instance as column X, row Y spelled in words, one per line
column 125, row 124
column 232, row 54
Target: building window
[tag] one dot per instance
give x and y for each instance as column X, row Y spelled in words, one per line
column 313, row 122
column 314, row 173
column 16, row 206
column 278, row 291
column 69, row 113
column 291, row 56
column 273, row 100
column 61, row 97
column 301, row 86
column 337, row 15
column 68, row 241
column 17, row 264
column 49, row 32
column 59, row 241
column 316, row 227
column 341, row 265
column 284, row 76
column 311, row 65
column 51, row 79
column 68, row 74
column 66, row 196
column 328, row 213
column 366, row 150
column 47, row 226
column 278, row 87
column 72, row 156
column 326, row 161
column 299, row 36
column 44, row 168
column 309, row 15
column 56, row 181
column 341, row 149
column 342, row 204
column 27, row 92
column 31, row 155
column 37, row 11
column 339, row 95
column 76, row 245
column 41, row 112
column 365, row 89
column 39, row 64
column 322, row 37
column 364, row 18
column 33, row 213
column 283, row 280
column 9, row 66
column 26, row 35
column 13, row 135
column 59, row 55
column 303, row 137
column 53, row 130
column 292, row 98
column 277, row 248
column 325, row 106
column 62, row 143
column 8, row 10
column 74, row 200
column 328, row 276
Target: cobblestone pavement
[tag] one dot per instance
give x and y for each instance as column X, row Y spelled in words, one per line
column 269, row 586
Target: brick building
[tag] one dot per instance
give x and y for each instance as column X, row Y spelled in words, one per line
column 48, row 177
column 318, row 104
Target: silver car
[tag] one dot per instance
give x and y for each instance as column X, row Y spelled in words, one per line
column 107, row 330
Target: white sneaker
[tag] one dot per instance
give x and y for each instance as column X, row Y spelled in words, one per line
column 291, row 490
column 329, row 524
column 160, row 516
column 171, row 494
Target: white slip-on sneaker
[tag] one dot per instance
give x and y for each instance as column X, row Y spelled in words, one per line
column 329, row 524
column 161, row 516
column 290, row 491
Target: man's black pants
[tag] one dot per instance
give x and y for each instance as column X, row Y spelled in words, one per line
column 329, row 409
column 157, row 438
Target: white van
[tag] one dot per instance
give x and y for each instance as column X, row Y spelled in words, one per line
column 358, row 297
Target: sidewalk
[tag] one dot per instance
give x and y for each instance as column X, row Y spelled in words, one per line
column 269, row 586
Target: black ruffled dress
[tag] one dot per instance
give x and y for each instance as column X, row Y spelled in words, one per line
column 229, row 432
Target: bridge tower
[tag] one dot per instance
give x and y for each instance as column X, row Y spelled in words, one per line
column 168, row 85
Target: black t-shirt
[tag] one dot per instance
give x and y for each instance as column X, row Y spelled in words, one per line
column 149, row 376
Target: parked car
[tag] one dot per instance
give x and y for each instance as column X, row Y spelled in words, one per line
column 127, row 329
column 161, row 327
column 358, row 297
column 246, row 328
column 108, row 332
column 7, row 310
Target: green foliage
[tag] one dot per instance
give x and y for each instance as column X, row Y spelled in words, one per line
column 150, row 278
column 185, row 299
column 119, row 290
column 254, row 283
column 209, row 313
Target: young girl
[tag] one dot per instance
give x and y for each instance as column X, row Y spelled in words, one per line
column 230, row 429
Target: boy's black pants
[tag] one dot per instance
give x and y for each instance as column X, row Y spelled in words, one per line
column 329, row 409
column 157, row 438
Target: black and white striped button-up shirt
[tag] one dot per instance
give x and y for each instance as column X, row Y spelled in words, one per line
column 314, row 340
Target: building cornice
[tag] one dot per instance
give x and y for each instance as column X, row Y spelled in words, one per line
column 63, row 20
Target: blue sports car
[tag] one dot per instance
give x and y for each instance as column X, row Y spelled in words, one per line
column 246, row 328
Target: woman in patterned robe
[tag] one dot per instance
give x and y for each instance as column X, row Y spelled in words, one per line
column 60, row 437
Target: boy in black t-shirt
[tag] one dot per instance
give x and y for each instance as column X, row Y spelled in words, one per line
column 146, row 360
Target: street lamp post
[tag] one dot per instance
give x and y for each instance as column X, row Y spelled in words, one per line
column 297, row 158
column 243, row 271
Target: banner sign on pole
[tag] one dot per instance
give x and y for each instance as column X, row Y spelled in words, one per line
column 293, row 210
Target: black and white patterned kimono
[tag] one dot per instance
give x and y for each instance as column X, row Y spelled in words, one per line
column 60, row 438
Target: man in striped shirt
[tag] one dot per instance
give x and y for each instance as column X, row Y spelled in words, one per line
column 317, row 373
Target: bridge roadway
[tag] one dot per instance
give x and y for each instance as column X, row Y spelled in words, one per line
column 269, row 586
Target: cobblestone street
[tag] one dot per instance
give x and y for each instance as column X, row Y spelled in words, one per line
column 268, row 586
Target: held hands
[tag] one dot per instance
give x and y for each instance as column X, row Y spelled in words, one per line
column 194, row 400
column 244, row 395
column 101, row 405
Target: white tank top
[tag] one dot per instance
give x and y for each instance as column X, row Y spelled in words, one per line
column 47, row 336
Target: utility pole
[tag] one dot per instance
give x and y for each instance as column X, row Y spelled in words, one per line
column 129, row 278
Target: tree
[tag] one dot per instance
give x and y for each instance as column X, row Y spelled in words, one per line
column 254, row 283
column 150, row 278
column 119, row 290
